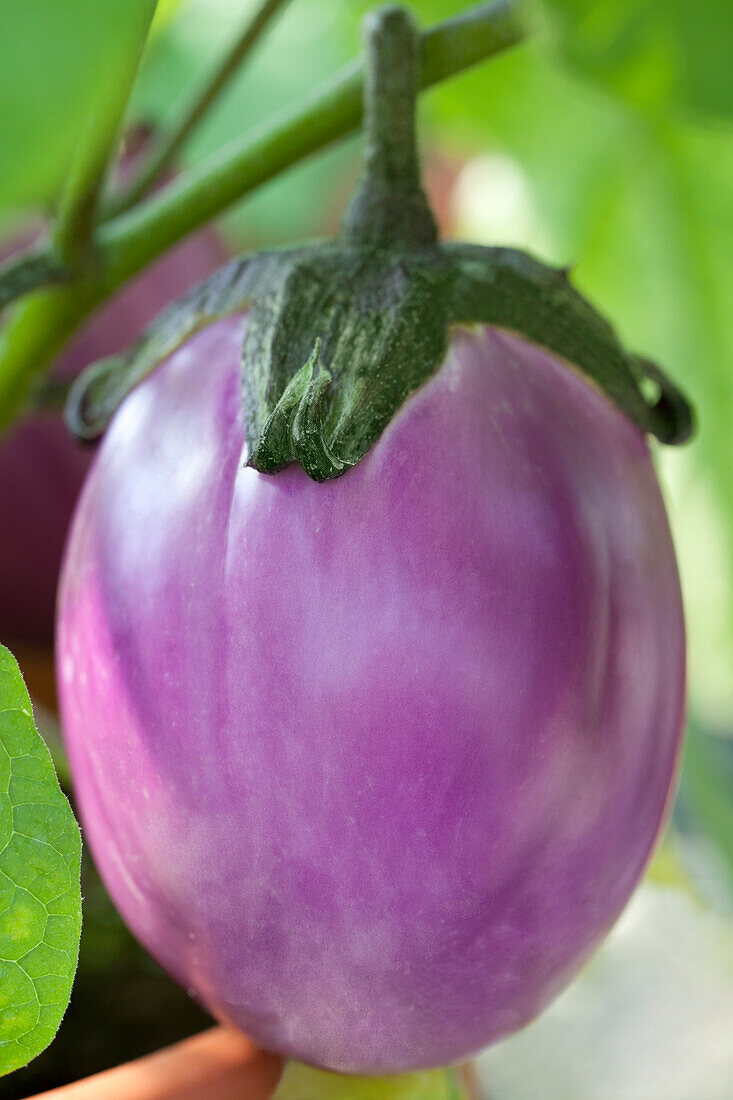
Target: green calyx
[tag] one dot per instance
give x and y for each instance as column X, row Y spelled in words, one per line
column 340, row 333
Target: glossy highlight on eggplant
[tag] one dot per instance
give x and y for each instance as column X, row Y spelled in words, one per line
column 42, row 468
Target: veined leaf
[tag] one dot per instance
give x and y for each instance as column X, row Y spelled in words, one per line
column 40, row 895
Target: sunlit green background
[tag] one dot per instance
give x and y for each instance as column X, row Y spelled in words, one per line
column 605, row 143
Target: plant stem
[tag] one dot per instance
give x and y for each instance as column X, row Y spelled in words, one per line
column 40, row 324
column 19, row 276
column 77, row 214
column 389, row 203
column 167, row 146
column 70, row 249
column 130, row 241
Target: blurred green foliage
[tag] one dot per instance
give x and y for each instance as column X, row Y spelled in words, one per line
column 656, row 53
column 704, row 805
column 303, row 47
column 56, row 60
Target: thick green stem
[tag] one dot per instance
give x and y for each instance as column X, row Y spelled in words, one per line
column 167, row 146
column 78, row 208
column 70, row 252
column 389, row 204
column 333, row 111
column 123, row 246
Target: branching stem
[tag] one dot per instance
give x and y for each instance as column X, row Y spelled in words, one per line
column 41, row 323
column 166, row 148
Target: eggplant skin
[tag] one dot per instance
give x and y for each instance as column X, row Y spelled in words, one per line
column 372, row 766
column 42, row 468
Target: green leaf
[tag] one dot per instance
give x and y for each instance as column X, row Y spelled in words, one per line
column 300, row 1082
column 650, row 52
column 40, row 894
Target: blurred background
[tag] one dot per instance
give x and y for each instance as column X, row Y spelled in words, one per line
column 605, row 143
